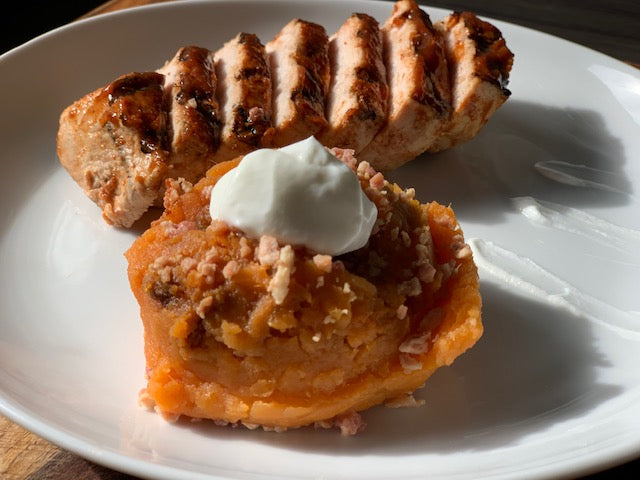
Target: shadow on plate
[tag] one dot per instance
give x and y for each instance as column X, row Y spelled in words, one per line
column 534, row 367
column 560, row 155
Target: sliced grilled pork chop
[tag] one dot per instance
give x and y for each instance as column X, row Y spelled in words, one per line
column 356, row 104
column 299, row 61
column 113, row 143
column 244, row 92
column 479, row 63
column 194, row 124
column 420, row 94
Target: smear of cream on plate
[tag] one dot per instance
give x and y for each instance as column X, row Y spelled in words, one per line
column 578, row 222
column 579, row 175
column 531, row 279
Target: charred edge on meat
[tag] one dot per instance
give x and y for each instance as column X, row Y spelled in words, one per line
column 250, row 124
column 369, row 77
column 427, row 46
column 138, row 100
column 493, row 59
column 200, row 86
column 313, row 56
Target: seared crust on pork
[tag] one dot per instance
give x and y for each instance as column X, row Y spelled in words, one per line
column 244, row 82
column 190, row 100
column 479, row 63
column 299, row 61
column 113, row 144
column 356, row 105
column 390, row 94
column 420, row 95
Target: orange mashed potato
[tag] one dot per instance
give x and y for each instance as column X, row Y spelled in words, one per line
column 248, row 331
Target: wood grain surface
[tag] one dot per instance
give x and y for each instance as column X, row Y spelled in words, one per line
column 610, row 27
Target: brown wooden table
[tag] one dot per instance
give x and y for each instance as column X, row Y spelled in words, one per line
column 609, row 26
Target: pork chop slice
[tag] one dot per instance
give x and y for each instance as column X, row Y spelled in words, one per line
column 356, row 105
column 190, row 100
column 479, row 63
column 244, row 93
column 299, row 61
column 113, row 144
column 419, row 90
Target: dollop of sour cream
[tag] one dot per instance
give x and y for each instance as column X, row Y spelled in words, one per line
column 300, row 194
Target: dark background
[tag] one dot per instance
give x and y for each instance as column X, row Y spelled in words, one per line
column 610, row 26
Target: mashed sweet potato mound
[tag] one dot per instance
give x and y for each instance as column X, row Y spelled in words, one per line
column 248, row 331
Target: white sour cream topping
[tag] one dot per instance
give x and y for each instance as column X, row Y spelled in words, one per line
column 300, row 194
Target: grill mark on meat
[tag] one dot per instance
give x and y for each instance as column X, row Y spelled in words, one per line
column 356, row 103
column 198, row 81
column 420, row 93
column 245, row 96
column 194, row 126
column 136, row 101
column 299, row 62
column 480, row 63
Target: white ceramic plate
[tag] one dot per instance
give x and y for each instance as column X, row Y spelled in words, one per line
column 547, row 192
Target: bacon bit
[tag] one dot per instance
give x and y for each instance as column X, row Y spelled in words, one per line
column 269, row 428
column 350, row 423
column 426, row 273
column 409, row 363
column 245, row 249
column 461, row 250
column 404, row 401
column 256, row 114
column 365, row 171
column 207, row 266
column 145, row 400
column 171, row 229
column 377, row 181
column 230, row 269
column 206, row 192
column 445, row 222
column 401, row 312
column 406, row 239
column 416, row 345
column 323, row 262
column 175, row 188
column 279, row 284
column 423, row 254
column 408, row 194
column 163, row 266
column 188, row 264
column 268, row 252
column 203, row 306
column 410, row 288
column 171, row 194
column 346, row 155
column 324, row 424
column 425, row 235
